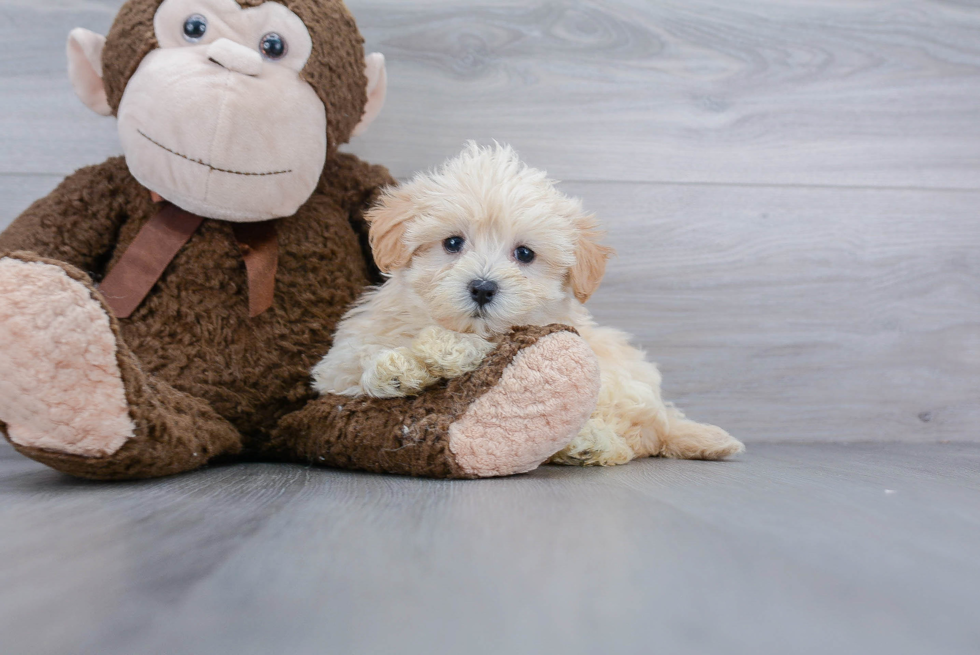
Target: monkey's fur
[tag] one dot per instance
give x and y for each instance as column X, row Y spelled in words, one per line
column 204, row 380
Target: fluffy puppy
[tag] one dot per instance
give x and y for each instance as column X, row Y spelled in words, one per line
column 472, row 250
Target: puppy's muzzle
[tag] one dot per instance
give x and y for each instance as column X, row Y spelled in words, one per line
column 483, row 292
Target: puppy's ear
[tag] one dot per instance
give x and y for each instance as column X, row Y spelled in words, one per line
column 590, row 260
column 389, row 220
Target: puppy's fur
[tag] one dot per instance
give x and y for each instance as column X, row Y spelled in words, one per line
column 424, row 322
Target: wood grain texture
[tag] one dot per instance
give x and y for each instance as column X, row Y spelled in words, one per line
column 792, row 548
column 801, row 314
column 877, row 92
column 44, row 128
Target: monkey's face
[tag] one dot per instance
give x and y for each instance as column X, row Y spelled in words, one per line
column 218, row 118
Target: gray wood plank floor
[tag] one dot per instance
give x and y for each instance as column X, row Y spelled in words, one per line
column 794, row 193
column 822, row 548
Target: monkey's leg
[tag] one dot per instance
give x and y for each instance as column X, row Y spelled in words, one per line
column 72, row 395
column 525, row 403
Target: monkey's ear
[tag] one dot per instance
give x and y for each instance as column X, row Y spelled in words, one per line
column 590, row 260
column 389, row 221
column 85, row 69
column 377, row 89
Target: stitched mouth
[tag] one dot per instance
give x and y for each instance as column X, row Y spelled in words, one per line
column 207, row 165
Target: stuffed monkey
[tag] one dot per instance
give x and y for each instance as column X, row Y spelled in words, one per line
column 164, row 308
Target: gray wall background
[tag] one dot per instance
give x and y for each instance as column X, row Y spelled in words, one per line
column 793, row 187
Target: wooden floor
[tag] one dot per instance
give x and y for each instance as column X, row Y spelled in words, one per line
column 793, row 548
column 794, row 192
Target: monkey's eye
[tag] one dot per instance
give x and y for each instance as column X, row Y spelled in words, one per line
column 194, row 28
column 523, row 254
column 453, row 244
column 272, row 46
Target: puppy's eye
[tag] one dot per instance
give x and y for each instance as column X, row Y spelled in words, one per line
column 194, row 28
column 453, row 244
column 523, row 254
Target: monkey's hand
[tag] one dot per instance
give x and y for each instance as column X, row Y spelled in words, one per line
column 395, row 372
column 448, row 354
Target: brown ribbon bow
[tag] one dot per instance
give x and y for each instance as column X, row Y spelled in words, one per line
column 159, row 241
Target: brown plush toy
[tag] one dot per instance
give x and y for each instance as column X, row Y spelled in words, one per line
column 164, row 309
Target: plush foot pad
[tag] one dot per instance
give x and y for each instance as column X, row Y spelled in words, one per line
column 542, row 400
column 60, row 385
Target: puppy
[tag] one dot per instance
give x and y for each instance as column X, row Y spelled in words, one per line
column 480, row 246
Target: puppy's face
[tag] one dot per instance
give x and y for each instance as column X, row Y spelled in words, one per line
column 487, row 243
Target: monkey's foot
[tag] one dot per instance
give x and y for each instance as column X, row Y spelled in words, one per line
column 74, row 397
column 523, row 404
column 60, row 385
column 536, row 408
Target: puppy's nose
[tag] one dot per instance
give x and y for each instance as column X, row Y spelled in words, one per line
column 483, row 291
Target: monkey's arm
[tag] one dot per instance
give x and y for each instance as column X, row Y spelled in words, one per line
column 77, row 223
column 360, row 184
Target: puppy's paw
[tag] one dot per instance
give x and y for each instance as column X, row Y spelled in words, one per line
column 449, row 354
column 395, row 372
column 690, row 440
column 597, row 444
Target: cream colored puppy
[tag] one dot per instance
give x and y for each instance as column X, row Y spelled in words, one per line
column 481, row 246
